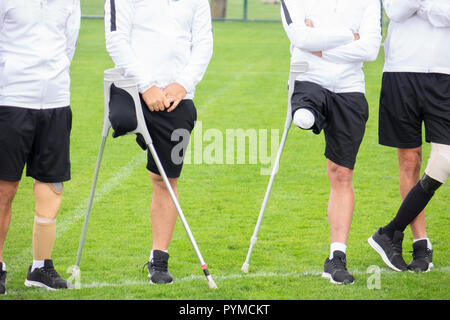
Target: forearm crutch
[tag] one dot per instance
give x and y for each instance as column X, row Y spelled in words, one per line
column 114, row 76
column 295, row 70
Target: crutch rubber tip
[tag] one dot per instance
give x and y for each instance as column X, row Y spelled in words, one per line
column 245, row 267
column 212, row 284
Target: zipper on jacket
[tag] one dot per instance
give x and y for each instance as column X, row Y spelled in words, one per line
column 43, row 81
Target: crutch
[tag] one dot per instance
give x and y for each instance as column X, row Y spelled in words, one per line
column 295, row 70
column 114, row 76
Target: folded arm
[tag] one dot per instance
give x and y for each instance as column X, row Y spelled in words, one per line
column 400, row 10
column 437, row 12
column 367, row 47
column 307, row 38
column 118, row 23
column 2, row 14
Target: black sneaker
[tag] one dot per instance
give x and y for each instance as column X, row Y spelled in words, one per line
column 46, row 277
column 336, row 269
column 2, row 279
column 390, row 249
column 158, row 268
column 422, row 257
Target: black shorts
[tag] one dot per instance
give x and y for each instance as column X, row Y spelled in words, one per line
column 38, row 138
column 170, row 132
column 407, row 99
column 342, row 116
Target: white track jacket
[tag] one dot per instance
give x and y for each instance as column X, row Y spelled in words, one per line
column 419, row 36
column 37, row 44
column 340, row 67
column 160, row 41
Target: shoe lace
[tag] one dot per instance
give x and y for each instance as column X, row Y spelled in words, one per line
column 51, row 272
column 339, row 263
column 420, row 254
column 157, row 265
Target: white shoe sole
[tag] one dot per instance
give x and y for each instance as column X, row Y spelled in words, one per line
column 382, row 254
column 30, row 283
column 326, row 275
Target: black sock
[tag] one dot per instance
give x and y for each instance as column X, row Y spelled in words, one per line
column 416, row 200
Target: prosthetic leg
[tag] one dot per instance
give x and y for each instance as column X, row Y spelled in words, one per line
column 48, row 200
column 114, row 76
column 295, row 70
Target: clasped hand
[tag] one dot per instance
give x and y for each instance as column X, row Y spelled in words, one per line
column 158, row 99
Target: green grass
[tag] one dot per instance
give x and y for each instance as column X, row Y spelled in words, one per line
column 244, row 87
column 235, row 9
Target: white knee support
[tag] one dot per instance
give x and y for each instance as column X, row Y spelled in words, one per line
column 304, row 118
column 438, row 166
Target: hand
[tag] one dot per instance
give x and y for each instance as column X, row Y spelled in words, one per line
column 176, row 92
column 155, row 99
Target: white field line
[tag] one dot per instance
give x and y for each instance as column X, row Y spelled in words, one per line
column 67, row 221
column 311, row 273
column 220, row 278
column 237, row 76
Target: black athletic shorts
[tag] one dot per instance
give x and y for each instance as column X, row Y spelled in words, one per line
column 170, row 132
column 38, row 138
column 409, row 99
column 342, row 116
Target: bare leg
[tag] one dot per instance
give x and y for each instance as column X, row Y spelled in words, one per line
column 162, row 212
column 410, row 161
column 341, row 202
column 8, row 190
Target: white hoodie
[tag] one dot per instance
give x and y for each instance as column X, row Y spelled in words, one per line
column 335, row 21
column 37, row 44
column 419, row 36
column 160, row 41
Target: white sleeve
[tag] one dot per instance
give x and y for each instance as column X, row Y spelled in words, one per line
column 307, row 38
column 73, row 29
column 367, row 47
column 2, row 13
column 119, row 17
column 400, row 10
column 202, row 48
column 437, row 12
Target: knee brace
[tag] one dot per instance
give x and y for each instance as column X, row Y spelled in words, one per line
column 438, row 166
column 48, row 199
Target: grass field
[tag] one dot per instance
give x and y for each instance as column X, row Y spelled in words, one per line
column 244, row 87
column 235, row 9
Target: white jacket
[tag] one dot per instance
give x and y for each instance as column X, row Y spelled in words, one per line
column 418, row 37
column 37, row 44
column 340, row 67
column 160, row 41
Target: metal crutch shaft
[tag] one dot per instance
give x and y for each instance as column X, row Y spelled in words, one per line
column 204, row 267
column 91, row 201
column 254, row 237
column 295, row 70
